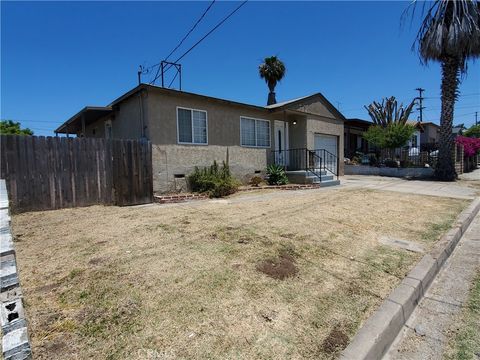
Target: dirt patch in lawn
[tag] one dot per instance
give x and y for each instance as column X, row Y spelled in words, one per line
column 280, row 267
column 336, row 340
column 183, row 281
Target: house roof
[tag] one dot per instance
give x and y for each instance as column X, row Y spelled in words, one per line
column 286, row 104
column 89, row 113
column 92, row 113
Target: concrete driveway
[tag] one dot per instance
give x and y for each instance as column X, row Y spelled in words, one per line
column 422, row 187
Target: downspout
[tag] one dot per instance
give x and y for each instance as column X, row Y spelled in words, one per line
column 142, row 120
column 83, row 126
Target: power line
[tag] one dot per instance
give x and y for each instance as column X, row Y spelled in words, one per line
column 184, row 38
column 467, row 114
column 206, row 35
column 34, row 121
column 211, row 31
column 461, row 95
column 193, row 28
column 171, row 82
column 466, row 106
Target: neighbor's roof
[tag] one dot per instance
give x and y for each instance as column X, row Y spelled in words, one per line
column 429, row 123
column 74, row 123
column 360, row 121
column 417, row 124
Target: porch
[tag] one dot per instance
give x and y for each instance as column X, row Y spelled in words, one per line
column 304, row 166
column 308, row 156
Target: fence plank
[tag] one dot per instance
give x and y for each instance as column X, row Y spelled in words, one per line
column 52, row 173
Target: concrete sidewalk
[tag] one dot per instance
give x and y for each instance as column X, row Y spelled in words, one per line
column 471, row 176
column 429, row 328
column 421, row 187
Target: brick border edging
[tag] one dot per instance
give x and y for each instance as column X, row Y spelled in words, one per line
column 15, row 342
column 171, row 199
column 282, row 187
column 380, row 330
column 177, row 198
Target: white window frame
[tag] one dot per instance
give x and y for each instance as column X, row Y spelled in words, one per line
column 193, row 136
column 269, row 133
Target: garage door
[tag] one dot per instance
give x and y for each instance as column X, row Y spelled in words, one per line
column 330, row 144
column 327, row 142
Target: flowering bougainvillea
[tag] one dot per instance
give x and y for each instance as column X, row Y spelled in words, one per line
column 471, row 146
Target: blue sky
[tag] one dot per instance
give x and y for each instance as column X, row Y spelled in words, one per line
column 57, row 57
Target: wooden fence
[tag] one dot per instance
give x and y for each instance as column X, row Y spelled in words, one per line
column 44, row 173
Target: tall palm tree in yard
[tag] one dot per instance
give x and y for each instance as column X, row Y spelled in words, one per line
column 449, row 34
column 272, row 70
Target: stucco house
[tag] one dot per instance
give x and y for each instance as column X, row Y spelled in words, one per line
column 430, row 135
column 186, row 130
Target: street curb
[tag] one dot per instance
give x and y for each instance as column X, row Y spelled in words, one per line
column 382, row 327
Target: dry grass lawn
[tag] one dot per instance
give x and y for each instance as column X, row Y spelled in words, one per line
column 183, row 281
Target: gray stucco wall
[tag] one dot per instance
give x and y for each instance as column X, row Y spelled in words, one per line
column 126, row 120
column 223, row 119
column 171, row 161
column 314, row 106
column 430, row 135
column 297, row 133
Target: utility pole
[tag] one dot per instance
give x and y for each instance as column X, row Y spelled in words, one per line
column 476, row 118
column 420, row 100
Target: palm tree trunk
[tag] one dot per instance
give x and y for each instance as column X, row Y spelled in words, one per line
column 271, row 95
column 445, row 169
column 271, row 98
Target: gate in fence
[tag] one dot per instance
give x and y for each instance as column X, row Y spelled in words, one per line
column 44, row 173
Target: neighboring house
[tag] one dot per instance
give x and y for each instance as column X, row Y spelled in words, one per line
column 353, row 134
column 188, row 130
column 458, row 130
column 431, row 133
column 415, row 140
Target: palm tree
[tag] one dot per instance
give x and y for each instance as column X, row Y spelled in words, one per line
column 272, row 70
column 449, row 34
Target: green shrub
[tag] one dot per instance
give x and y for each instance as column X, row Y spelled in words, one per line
column 392, row 136
column 213, row 180
column 276, row 175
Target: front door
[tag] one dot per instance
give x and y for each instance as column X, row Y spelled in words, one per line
column 281, row 142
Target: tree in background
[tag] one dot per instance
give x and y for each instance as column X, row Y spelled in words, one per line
column 390, row 128
column 272, row 70
column 9, row 127
column 449, row 34
column 473, row 131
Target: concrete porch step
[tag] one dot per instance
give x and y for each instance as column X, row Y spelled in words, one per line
column 329, row 183
column 305, row 173
column 315, row 179
column 307, row 177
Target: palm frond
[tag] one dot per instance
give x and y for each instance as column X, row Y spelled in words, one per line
column 389, row 112
column 272, row 70
column 451, row 28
